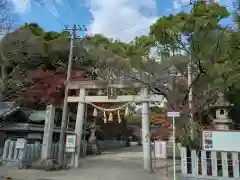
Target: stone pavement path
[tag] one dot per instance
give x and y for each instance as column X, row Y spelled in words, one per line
column 122, row 164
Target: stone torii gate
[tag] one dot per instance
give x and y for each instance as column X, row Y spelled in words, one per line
column 144, row 98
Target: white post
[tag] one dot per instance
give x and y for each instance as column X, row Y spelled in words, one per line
column 146, row 134
column 194, row 163
column 174, row 149
column 204, row 163
column 79, row 126
column 235, row 164
column 224, row 157
column 173, row 115
column 48, row 132
column 214, row 163
column 184, row 161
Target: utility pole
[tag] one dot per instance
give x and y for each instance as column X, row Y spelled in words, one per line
column 236, row 6
column 190, row 95
column 61, row 151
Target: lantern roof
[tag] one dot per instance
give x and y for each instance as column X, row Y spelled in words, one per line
column 221, row 101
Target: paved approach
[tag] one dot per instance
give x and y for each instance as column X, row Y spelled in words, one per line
column 121, row 164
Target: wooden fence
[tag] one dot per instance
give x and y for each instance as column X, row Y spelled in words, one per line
column 210, row 165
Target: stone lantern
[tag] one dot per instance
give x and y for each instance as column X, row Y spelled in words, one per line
column 221, row 107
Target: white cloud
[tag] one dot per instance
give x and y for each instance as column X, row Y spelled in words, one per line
column 21, row 6
column 121, row 19
column 178, row 3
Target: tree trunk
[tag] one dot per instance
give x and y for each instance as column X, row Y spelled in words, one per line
column 1, row 89
column 2, row 79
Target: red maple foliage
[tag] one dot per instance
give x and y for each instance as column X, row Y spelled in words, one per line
column 47, row 86
column 161, row 120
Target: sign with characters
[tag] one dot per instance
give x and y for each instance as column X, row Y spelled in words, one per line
column 207, row 140
column 20, row 143
column 71, row 141
column 221, row 140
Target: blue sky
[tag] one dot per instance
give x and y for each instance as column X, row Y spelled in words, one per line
column 122, row 19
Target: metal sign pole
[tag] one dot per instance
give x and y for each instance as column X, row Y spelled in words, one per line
column 173, row 115
column 174, row 149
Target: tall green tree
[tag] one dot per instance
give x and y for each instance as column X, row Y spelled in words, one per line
column 30, row 48
column 231, row 67
column 198, row 34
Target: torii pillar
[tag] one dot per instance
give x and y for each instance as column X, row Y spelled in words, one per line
column 48, row 132
column 146, row 134
column 79, row 127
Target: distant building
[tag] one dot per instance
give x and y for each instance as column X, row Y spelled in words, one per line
column 19, row 122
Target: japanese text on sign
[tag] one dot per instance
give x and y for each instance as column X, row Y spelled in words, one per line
column 71, row 143
column 20, row 143
column 207, row 140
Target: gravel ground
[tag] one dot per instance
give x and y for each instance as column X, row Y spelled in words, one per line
column 122, row 164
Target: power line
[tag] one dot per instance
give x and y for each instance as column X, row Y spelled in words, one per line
column 133, row 25
column 71, row 6
column 58, row 11
column 41, row 4
column 168, row 12
column 60, row 20
column 73, row 9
